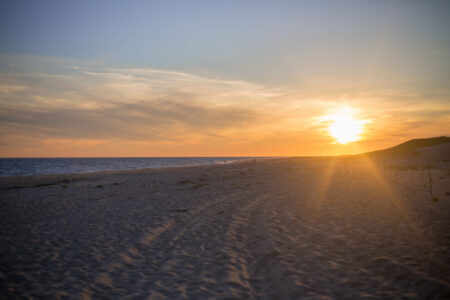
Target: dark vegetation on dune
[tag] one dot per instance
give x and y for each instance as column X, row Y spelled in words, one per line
column 410, row 147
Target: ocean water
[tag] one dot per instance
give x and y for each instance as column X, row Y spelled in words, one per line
column 44, row 166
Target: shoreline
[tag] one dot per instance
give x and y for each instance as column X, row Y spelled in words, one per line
column 7, row 182
column 137, row 169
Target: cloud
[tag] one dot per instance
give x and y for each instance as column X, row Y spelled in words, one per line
column 45, row 101
column 126, row 104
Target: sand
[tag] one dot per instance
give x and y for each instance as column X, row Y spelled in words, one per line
column 300, row 228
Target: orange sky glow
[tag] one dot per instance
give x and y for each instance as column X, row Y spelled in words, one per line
column 150, row 112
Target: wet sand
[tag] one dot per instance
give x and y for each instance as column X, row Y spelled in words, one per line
column 300, row 228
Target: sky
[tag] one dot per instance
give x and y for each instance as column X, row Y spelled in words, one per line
column 219, row 78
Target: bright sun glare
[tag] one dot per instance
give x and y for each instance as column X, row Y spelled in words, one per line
column 344, row 127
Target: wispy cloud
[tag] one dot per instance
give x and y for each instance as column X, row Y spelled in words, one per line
column 101, row 109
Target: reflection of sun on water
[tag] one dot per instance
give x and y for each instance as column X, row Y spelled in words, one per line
column 344, row 127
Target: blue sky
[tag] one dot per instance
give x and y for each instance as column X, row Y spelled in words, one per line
column 289, row 62
column 267, row 41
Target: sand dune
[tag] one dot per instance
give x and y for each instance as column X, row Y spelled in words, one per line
column 301, row 228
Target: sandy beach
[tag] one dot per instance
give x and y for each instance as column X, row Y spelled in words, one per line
column 299, row 228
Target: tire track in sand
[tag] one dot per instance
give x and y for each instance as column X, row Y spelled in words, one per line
column 151, row 251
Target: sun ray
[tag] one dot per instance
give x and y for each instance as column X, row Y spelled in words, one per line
column 388, row 189
column 328, row 174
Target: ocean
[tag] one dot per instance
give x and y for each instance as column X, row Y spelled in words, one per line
column 45, row 166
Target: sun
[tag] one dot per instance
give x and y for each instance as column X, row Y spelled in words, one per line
column 344, row 127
